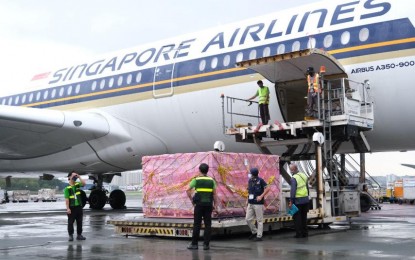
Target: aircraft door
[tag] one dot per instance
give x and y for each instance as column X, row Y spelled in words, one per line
column 163, row 81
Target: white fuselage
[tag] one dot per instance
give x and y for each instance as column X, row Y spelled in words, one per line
column 169, row 98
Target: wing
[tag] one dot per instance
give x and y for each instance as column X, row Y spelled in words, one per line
column 408, row 165
column 30, row 132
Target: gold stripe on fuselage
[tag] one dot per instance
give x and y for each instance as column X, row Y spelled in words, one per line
column 145, row 95
column 110, row 101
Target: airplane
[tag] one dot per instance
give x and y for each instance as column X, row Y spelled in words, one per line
column 408, row 165
column 101, row 116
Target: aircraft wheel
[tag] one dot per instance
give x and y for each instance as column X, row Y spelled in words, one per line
column 97, row 199
column 117, row 199
column 84, row 199
column 364, row 202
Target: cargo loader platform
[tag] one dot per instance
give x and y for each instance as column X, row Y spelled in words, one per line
column 344, row 106
column 299, row 129
column 172, row 227
column 341, row 110
column 183, row 227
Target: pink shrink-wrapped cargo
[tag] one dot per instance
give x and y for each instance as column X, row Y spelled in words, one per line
column 166, row 179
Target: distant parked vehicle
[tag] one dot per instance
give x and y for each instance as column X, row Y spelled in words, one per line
column 3, row 196
column 20, row 196
column 46, row 195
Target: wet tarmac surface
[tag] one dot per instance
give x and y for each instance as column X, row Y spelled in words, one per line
column 38, row 231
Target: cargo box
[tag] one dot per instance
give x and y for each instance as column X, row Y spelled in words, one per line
column 398, row 189
column 166, row 179
column 408, row 188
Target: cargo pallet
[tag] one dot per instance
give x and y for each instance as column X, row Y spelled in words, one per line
column 172, row 227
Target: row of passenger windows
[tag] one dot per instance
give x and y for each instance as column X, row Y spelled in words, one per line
column 214, row 62
column 327, row 43
column 54, row 93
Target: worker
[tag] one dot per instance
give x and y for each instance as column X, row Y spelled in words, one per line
column 313, row 81
column 74, row 204
column 263, row 93
column 204, row 201
column 299, row 197
column 257, row 189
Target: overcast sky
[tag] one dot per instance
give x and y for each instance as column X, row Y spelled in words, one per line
column 37, row 36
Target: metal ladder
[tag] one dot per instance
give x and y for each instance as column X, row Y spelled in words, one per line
column 324, row 109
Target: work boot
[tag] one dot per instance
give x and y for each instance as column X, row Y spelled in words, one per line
column 80, row 237
column 252, row 236
column 257, row 239
column 70, row 238
column 192, row 247
column 206, row 247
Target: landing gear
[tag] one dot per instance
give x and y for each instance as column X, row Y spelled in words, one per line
column 117, row 199
column 97, row 199
column 84, row 199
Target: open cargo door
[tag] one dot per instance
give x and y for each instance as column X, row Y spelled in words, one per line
column 288, row 73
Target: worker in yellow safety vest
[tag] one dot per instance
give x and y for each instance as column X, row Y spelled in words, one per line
column 299, row 197
column 74, row 204
column 263, row 94
column 313, row 81
column 203, row 201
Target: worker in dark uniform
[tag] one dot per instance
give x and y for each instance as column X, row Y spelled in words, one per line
column 257, row 189
column 203, row 200
column 299, row 197
column 74, row 207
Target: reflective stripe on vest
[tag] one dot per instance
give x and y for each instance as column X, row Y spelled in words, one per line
column 263, row 94
column 316, row 83
column 301, row 179
column 204, row 190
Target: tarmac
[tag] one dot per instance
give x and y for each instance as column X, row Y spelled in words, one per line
column 38, row 231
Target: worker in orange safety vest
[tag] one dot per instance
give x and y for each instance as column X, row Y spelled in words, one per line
column 313, row 81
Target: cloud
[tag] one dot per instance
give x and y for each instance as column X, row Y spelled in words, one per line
column 22, row 59
column 21, row 20
column 106, row 22
column 384, row 163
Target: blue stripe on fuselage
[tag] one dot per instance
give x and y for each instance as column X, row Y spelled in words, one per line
column 190, row 71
